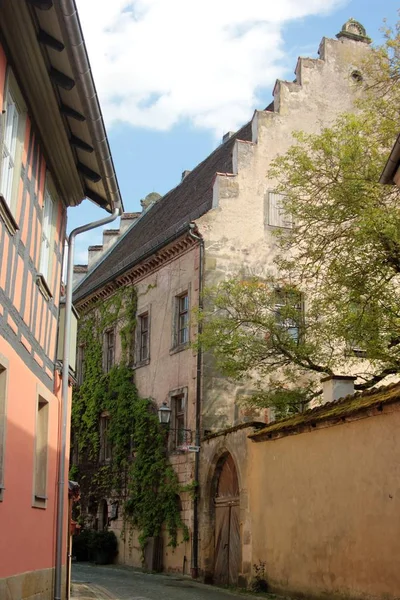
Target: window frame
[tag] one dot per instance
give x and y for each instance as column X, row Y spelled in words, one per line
column 105, row 443
column 144, row 334
column 287, row 323
column 12, row 90
column 175, row 396
column 41, row 465
column 4, row 373
column 179, row 313
column 47, row 234
column 106, row 348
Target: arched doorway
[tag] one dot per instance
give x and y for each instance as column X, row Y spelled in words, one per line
column 227, row 523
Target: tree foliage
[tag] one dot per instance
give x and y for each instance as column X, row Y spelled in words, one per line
column 341, row 259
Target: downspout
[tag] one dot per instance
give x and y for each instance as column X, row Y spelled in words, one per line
column 64, row 398
column 195, row 543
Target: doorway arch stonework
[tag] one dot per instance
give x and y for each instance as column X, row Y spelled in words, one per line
column 215, row 450
column 227, row 544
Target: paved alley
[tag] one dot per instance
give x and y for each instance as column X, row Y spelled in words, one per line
column 121, row 583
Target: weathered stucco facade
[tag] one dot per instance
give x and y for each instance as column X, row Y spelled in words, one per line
column 237, row 234
column 224, row 204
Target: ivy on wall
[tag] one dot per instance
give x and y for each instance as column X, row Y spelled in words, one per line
column 138, row 472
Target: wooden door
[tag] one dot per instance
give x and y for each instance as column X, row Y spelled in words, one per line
column 227, row 525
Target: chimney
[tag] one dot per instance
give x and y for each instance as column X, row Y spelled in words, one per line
column 227, row 136
column 185, row 174
column 110, row 236
column 337, row 386
column 127, row 219
column 79, row 273
column 94, row 253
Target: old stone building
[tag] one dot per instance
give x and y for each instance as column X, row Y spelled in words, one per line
column 217, row 221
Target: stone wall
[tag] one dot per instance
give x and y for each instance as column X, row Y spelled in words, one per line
column 33, row 585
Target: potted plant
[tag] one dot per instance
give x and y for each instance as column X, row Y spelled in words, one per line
column 103, row 546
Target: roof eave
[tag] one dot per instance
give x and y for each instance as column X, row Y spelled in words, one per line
column 76, row 48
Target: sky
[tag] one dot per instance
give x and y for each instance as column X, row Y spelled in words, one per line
column 173, row 76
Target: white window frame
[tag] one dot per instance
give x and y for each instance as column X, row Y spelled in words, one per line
column 47, row 235
column 182, row 316
column 144, row 334
column 277, row 217
column 12, row 140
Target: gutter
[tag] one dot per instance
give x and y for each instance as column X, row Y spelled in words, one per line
column 68, row 14
column 195, row 542
column 392, row 164
column 60, row 546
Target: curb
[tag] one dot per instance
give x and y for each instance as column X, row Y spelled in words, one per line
column 83, row 591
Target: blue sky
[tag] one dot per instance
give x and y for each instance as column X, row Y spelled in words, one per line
column 172, row 81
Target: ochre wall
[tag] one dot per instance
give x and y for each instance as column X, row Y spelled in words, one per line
column 325, row 509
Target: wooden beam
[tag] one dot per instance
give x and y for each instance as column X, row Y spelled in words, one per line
column 96, row 198
column 41, row 4
column 78, row 143
column 88, row 173
column 71, row 112
column 48, row 40
column 61, row 79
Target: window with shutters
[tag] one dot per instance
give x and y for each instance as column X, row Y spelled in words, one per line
column 41, row 453
column 276, row 215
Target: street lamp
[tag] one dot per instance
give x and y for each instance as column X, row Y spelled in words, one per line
column 164, row 414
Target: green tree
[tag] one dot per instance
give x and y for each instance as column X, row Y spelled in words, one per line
column 335, row 302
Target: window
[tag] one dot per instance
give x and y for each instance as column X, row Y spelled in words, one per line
column 47, row 228
column 14, row 111
column 182, row 319
column 105, row 444
column 144, row 337
column 41, row 453
column 277, row 217
column 12, row 116
column 109, row 349
column 80, row 365
column 3, row 397
column 179, row 420
column 288, row 311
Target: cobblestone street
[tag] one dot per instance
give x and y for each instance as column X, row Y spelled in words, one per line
column 91, row 582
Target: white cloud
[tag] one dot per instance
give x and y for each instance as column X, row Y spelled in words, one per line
column 157, row 62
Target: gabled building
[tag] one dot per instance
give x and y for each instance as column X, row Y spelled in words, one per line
column 218, row 221
column 54, row 153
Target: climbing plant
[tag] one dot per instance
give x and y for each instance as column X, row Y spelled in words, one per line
column 138, row 472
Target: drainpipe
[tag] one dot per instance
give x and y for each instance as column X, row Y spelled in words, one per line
column 64, row 397
column 195, row 543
